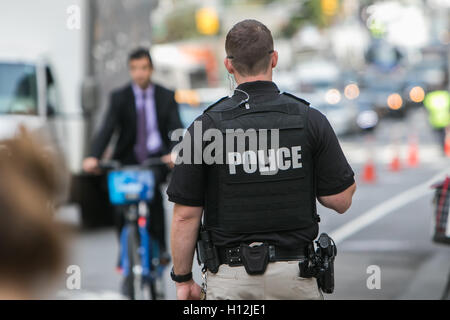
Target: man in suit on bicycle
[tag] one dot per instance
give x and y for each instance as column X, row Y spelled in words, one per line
column 143, row 114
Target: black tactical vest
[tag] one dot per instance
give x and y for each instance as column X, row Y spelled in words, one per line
column 254, row 193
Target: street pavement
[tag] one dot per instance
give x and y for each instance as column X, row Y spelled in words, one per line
column 389, row 225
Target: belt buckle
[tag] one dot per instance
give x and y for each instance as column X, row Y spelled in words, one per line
column 233, row 256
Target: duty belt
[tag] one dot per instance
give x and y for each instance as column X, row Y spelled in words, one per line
column 233, row 257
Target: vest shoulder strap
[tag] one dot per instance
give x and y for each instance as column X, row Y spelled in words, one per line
column 296, row 98
column 216, row 103
column 306, row 105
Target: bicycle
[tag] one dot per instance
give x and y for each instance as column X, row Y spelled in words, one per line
column 131, row 188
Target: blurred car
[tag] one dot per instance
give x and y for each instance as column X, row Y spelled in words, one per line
column 342, row 116
column 367, row 118
column 316, row 76
column 427, row 75
column 413, row 93
column 384, row 92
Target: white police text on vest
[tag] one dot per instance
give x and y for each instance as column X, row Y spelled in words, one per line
column 265, row 161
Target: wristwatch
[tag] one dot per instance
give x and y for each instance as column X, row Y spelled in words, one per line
column 180, row 278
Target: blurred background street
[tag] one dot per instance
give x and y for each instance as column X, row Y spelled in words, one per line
column 371, row 66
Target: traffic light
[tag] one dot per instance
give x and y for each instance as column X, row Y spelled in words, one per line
column 329, row 7
column 207, row 21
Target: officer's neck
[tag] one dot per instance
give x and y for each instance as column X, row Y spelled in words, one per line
column 260, row 77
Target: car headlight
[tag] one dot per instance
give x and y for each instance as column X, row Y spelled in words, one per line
column 367, row 119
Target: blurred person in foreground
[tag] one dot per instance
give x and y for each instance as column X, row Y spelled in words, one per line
column 31, row 245
column 437, row 103
column 144, row 114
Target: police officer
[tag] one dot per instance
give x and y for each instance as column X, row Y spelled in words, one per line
column 258, row 198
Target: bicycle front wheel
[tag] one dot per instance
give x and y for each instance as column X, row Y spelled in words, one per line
column 134, row 281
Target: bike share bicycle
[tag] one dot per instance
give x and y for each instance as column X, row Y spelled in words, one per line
column 131, row 188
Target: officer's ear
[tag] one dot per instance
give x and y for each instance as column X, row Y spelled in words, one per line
column 228, row 65
column 274, row 59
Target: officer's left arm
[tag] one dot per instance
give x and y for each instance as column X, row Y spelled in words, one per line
column 339, row 202
column 335, row 178
column 183, row 238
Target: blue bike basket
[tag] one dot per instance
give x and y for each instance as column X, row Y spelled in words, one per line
column 130, row 186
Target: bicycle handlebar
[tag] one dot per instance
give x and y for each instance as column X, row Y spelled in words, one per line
column 114, row 164
column 109, row 164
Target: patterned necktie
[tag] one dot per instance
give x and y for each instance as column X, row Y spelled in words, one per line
column 141, row 139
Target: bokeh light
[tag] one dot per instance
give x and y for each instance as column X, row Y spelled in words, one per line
column 333, row 96
column 351, row 91
column 395, row 101
column 417, row 94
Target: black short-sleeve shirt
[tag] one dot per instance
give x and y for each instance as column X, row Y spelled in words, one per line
column 189, row 182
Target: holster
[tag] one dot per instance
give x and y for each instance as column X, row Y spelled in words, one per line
column 320, row 263
column 255, row 258
column 207, row 252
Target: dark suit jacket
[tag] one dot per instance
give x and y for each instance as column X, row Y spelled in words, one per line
column 121, row 115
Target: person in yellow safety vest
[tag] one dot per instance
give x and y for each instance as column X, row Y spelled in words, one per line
column 438, row 106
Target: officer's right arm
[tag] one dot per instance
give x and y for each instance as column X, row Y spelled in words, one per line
column 339, row 202
column 185, row 227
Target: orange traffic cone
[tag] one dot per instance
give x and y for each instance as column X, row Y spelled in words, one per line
column 395, row 165
column 413, row 153
column 447, row 146
column 369, row 175
column 368, row 171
